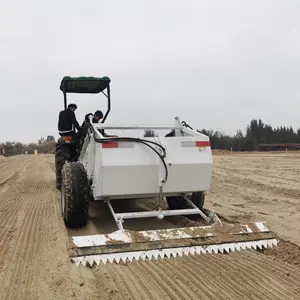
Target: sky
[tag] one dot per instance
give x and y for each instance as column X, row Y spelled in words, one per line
column 216, row 64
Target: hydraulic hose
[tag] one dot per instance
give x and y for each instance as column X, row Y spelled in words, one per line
column 135, row 140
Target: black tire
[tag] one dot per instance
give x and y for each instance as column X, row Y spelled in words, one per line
column 61, row 156
column 177, row 202
column 198, row 199
column 74, row 195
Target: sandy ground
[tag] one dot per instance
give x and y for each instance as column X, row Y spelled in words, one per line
column 34, row 262
column 261, row 186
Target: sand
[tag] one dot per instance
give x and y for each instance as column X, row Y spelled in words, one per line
column 259, row 186
column 34, row 262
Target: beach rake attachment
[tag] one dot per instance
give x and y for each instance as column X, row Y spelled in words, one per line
column 124, row 246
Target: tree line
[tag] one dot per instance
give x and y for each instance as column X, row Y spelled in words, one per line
column 256, row 134
column 44, row 145
column 255, row 137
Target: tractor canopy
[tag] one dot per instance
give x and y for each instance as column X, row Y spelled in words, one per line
column 84, row 85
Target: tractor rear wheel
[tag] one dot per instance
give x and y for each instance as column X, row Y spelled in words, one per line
column 177, row 202
column 198, row 199
column 61, row 156
column 74, row 195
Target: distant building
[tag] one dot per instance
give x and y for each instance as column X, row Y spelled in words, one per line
column 279, row 147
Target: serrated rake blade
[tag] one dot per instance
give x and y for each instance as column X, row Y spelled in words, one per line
column 126, row 246
column 121, row 258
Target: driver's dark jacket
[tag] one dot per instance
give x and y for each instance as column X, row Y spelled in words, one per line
column 67, row 121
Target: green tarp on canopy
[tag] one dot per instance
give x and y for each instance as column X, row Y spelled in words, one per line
column 88, row 85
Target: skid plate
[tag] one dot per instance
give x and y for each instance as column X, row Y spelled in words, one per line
column 122, row 246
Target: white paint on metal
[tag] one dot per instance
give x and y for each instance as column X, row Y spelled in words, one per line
column 206, row 218
column 160, row 214
column 100, row 239
column 188, row 144
column 189, row 170
column 209, row 234
column 247, row 229
column 262, row 227
column 156, row 213
column 134, row 127
column 152, row 235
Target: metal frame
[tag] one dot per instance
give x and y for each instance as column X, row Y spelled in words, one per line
column 177, row 126
column 139, row 127
column 160, row 214
column 89, row 154
column 123, row 245
column 107, row 96
column 108, row 103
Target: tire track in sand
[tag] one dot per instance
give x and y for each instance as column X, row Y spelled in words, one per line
column 36, row 237
column 241, row 275
column 12, row 200
column 262, row 284
column 37, row 265
column 18, row 166
column 14, row 174
column 22, row 267
column 198, row 279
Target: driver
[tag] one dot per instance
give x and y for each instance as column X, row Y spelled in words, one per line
column 67, row 121
column 98, row 115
